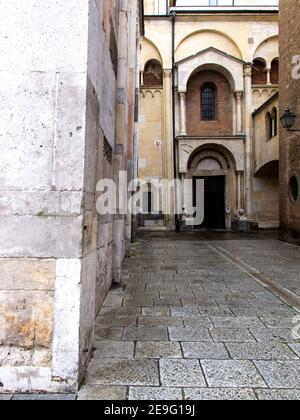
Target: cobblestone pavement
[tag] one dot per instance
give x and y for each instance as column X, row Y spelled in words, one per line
column 189, row 322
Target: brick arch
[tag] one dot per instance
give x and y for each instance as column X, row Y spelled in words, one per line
column 259, row 74
column 153, row 73
column 223, row 122
column 275, row 71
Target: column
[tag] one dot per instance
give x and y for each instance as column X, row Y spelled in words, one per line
column 248, row 132
column 239, row 123
column 168, row 139
column 239, row 190
column 182, row 97
column 269, row 76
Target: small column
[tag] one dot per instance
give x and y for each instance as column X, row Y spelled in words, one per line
column 239, row 124
column 248, row 132
column 142, row 78
column 182, row 97
column 239, row 190
column 168, row 140
column 269, row 76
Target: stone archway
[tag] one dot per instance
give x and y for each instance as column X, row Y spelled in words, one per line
column 217, row 167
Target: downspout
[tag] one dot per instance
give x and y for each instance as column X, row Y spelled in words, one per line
column 173, row 15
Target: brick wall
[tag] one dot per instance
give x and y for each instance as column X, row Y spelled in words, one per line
column 275, row 72
column 224, row 114
column 259, row 75
column 289, row 97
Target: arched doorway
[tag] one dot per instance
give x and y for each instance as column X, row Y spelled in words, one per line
column 215, row 165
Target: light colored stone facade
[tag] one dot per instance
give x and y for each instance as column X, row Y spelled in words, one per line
column 266, row 163
column 68, row 105
column 227, row 50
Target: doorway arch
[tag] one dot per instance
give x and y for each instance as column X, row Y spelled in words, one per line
column 222, row 185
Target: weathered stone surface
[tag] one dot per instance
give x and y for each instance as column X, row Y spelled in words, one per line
column 280, row 375
column 158, row 350
column 14, row 356
column 232, row 335
column 119, row 312
column 278, row 322
column 200, row 322
column 202, row 351
column 157, row 311
column 108, row 334
column 273, row 334
column 123, row 372
column 232, row 374
column 121, row 321
column 278, row 395
column 215, row 311
column 133, row 303
column 24, row 274
column 114, row 349
column 218, row 394
column 102, row 393
column 5, row 397
column 45, row 397
column 113, row 300
column 67, row 319
column 32, row 46
column 260, row 351
column 188, row 312
column 189, row 334
column 41, row 203
column 181, row 373
column 53, row 237
column 236, row 322
column 53, row 132
column 296, row 348
column 162, row 321
column 155, row 394
column 26, row 379
column 26, row 318
column 146, row 334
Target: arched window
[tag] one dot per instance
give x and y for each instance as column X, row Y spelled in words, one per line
column 274, row 122
column 208, row 102
column 269, row 126
column 153, row 74
column 275, row 72
column 259, row 75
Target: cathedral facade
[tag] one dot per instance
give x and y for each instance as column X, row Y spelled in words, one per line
column 209, row 108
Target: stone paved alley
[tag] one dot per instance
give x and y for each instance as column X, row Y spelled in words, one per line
column 192, row 320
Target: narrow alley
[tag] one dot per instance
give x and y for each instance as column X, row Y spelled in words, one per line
column 200, row 319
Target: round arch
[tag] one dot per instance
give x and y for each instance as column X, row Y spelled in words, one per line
column 268, row 50
column 214, row 67
column 153, row 73
column 149, row 52
column 208, row 40
column 215, row 151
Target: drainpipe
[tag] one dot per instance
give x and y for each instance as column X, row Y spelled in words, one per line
column 173, row 16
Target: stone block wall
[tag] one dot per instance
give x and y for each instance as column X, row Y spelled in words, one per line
column 59, row 76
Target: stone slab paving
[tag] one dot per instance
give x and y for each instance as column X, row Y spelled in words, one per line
column 48, row 397
column 187, row 323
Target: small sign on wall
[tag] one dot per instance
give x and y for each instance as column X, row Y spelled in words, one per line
column 157, row 143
